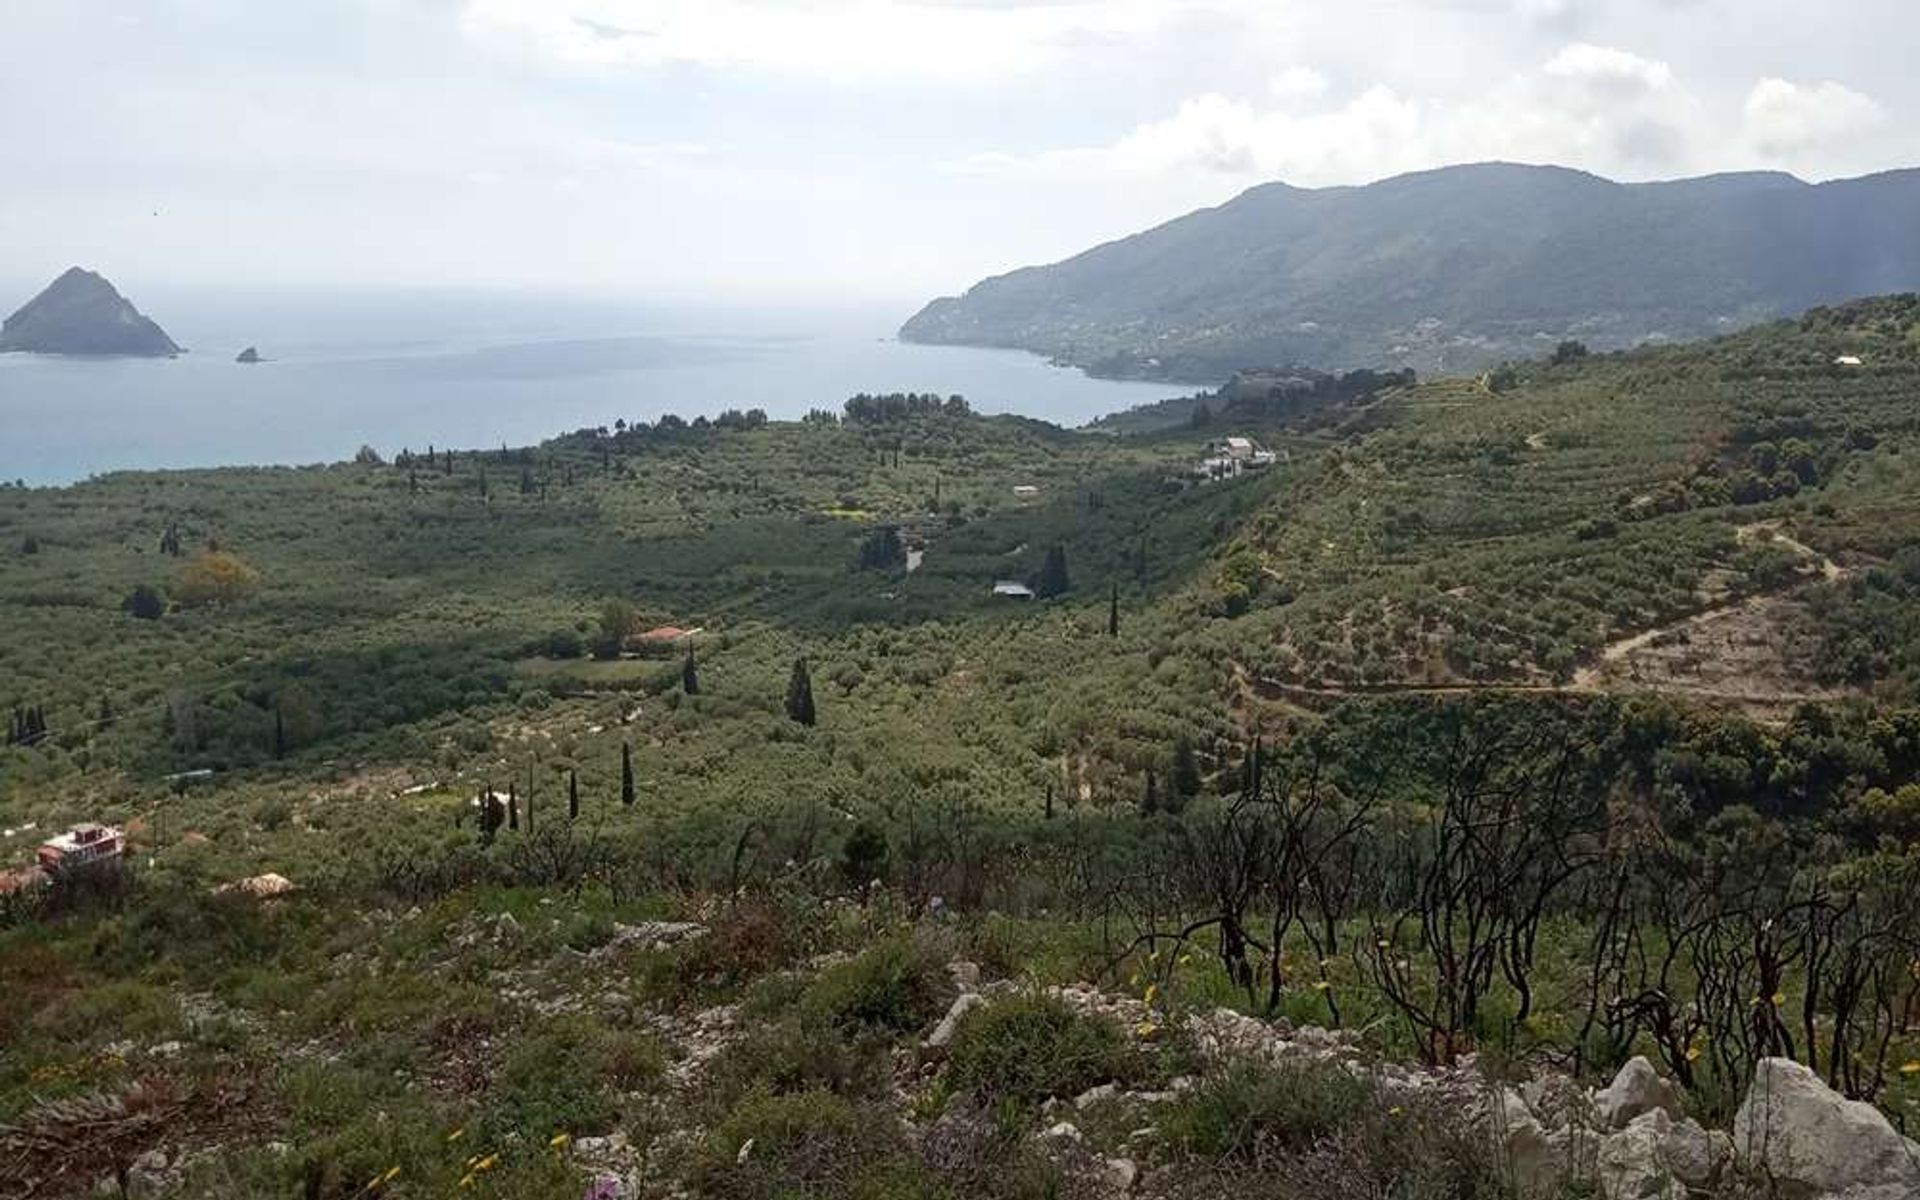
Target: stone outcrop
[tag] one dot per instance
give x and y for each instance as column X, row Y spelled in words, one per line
column 1811, row 1143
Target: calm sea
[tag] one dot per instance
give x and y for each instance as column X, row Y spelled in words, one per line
column 475, row 370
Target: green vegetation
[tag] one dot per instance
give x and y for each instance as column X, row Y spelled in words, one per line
column 1569, row 654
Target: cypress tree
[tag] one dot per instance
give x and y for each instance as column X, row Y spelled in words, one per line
column 1150, row 799
column 1049, row 799
column 1113, row 612
column 1250, row 781
column 573, row 795
column 800, row 693
column 1183, row 780
column 689, row 677
column 1052, row 580
column 513, row 808
column 626, row 774
column 279, row 733
column 529, row 797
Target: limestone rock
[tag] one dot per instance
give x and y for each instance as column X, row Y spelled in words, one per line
column 1813, row 1143
column 1637, row 1089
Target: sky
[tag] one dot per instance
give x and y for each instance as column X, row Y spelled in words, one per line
column 851, row 149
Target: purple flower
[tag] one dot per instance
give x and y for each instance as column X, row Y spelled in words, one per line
column 603, row 1187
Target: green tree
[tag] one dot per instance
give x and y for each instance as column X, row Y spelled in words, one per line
column 800, row 693
column 145, row 603
column 1113, row 612
column 689, row 676
column 626, row 774
column 1052, row 580
column 882, row 550
column 573, row 794
column 863, row 859
column 617, row 622
column 1183, row 778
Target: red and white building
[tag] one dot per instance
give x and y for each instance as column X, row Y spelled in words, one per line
column 81, row 845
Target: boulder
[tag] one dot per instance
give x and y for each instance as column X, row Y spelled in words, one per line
column 1636, row 1090
column 1537, row 1159
column 1811, row 1143
column 1629, row 1165
column 1656, row 1156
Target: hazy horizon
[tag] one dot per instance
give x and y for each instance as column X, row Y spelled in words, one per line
column 878, row 151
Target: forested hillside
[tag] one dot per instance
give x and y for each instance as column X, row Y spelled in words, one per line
column 638, row 790
column 1447, row 270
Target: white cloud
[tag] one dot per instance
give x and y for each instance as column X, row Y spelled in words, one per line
column 1608, row 67
column 842, row 40
column 1587, row 105
column 1783, row 118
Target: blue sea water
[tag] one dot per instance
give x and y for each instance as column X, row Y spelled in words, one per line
column 476, row 370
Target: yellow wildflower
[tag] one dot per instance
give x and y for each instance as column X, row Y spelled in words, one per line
column 1778, row 998
column 466, row 1181
column 1153, row 989
column 1395, row 1111
column 1911, row 1068
column 1321, row 985
column 1186, row 959
column 559, row 1141
column 457, row 1134
column 392, row 1174
column 1146, row 1031
column 487, row 1163
column 1693, row 1053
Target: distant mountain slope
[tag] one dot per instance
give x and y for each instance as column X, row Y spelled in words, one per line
column 81, row 313
column 1447, row 270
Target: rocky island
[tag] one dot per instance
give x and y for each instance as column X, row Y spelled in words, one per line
column 81, row 313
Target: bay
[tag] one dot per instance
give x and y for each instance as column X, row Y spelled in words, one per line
column 478, row 370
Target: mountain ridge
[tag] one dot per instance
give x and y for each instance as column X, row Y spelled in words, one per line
column 1446, row 270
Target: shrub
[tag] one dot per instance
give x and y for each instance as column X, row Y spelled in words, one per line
column 1027, row 1048
column 559, row 1076
column 1262, row 1132
column 807, row 1144
column 1250, row 1107
column 894, row 987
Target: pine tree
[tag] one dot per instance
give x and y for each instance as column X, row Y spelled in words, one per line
column 689, row 676
column 1049, row 799
column 1150, row 799
column 1113, row 613
column 279, row 734
column 573, row 795
column 800, row 693
column 513, row 808
column 626, row 774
